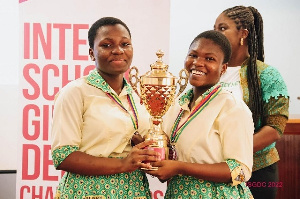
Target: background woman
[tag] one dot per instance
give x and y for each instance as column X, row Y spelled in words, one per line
column 260, row 86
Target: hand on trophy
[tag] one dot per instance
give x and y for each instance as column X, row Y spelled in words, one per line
column 136, row 139
column 141, row 157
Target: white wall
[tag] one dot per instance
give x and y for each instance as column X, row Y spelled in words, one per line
column 281, row 34
column 9, row 116
column 9, row 80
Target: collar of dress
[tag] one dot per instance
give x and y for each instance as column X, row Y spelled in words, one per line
column 96, row 80
column 185, row 99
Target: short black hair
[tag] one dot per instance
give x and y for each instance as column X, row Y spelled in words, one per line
column 219, row 39
column 104, row 21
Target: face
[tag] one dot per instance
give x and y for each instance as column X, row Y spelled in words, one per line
column 227, row 26
column 205, row 64
column 112, row 50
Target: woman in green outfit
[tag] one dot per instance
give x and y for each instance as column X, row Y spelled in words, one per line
column 261, row 87
column 210, row 128
column 95, row 118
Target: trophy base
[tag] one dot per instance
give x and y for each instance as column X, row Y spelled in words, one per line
column 152, row 169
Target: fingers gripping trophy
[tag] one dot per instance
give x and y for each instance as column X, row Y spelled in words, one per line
column 157, row 93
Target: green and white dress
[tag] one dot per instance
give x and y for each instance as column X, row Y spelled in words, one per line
column 275, row 103
column 219, row 128
column 86, row 118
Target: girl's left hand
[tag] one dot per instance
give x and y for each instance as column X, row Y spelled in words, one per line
column 166, row 169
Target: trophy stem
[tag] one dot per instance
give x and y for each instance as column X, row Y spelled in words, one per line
column 157, row 122
column 156, row 133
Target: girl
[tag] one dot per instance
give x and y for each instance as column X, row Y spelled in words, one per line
column 210, row 129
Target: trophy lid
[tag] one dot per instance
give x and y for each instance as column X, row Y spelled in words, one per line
column 159, row 64
column 159, row 68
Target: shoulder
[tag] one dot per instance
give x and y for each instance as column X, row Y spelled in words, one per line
column 73, row 88
column 232, row 103
column 266, row 69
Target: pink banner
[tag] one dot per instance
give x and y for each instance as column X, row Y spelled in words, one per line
column 53, row 52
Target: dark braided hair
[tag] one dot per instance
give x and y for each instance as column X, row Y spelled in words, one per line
column 249, row 18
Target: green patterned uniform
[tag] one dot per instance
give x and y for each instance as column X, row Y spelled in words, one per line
column 85, row 119
column 211, row 138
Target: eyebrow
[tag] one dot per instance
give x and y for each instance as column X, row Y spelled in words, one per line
column 111, row 39
column 221, row 24
column 210, row 54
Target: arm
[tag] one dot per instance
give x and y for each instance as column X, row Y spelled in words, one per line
column 82, row 163
column 67, row 139
column 276, row 105
column 275, row 118
column 218, row 172
column 264, row 137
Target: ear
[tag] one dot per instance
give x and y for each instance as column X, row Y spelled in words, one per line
column 91, row 53
column 224, row 68
column 245, row 33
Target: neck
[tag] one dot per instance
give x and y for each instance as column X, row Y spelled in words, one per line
column 238, row 58
column 114, row 81
column 197, row 92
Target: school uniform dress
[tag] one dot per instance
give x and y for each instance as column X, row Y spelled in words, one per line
column 88, row 117
column 219, row 128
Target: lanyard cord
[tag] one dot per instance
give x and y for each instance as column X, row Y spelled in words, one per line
column 132, row 106
column 176, row 129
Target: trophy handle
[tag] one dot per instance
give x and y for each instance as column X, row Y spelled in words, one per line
column 134, row 79
column 184, row 75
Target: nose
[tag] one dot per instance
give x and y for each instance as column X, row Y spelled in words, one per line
column 199, row 62
column 117, row 50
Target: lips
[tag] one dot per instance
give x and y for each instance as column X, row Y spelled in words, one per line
column 117, row 60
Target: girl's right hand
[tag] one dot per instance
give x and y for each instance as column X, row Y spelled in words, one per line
column 139, row 155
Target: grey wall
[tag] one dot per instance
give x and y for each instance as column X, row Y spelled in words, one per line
column 7, row 186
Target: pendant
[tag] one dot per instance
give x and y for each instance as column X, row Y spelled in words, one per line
column 172, row 152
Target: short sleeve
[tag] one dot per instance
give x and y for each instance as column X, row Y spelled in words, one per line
column 272, row 84
column 239, row 172
column 236, row 134
column 66, row 123
column 275, row 98
column 61, row 153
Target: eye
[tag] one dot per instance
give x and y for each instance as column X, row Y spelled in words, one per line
column 222, row 28
column 192, row 55
column 126, row 44
column 106, row 45
column 210, row 58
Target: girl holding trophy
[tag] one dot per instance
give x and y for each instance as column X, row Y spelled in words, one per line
column 95, row 118
column 212, row 131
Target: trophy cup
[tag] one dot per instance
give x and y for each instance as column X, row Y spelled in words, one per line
column 157, row 93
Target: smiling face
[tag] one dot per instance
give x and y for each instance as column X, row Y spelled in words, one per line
column 205, row 64
column 112, row 51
